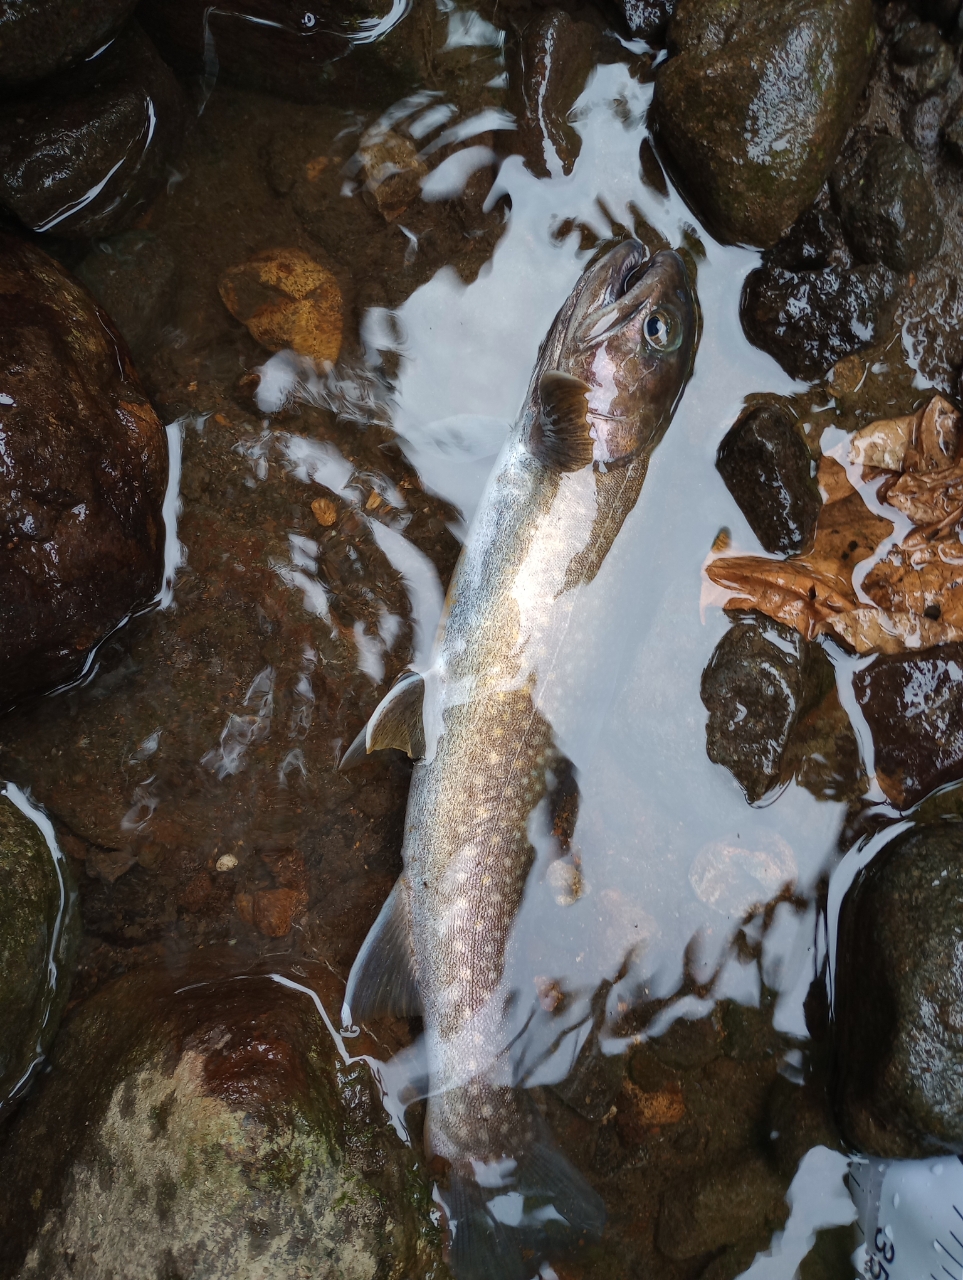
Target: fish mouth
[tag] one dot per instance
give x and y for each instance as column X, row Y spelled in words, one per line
column 634, row 276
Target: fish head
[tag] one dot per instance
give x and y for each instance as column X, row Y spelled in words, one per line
column 628, row 333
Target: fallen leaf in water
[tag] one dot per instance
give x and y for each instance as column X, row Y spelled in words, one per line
column 810, row 592
column 286, row 299
column 912, row 596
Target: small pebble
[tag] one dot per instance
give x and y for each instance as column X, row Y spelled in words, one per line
column 226, row 862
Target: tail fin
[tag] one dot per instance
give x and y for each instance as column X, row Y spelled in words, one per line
column 535, row 1206
column 480, row 1247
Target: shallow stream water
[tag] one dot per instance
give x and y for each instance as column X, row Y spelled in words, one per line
column 202, row 750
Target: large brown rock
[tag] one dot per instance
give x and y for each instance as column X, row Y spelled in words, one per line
column 83, row 470
column 85, row 154
column 756, row 102
column 38, row 37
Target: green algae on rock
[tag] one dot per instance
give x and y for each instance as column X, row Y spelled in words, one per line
column 756, row 102
column 213, row 1131
column 38, row 942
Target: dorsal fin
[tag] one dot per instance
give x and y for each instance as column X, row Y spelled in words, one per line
column 560, row 434
column 395, row 722
column 382, row 979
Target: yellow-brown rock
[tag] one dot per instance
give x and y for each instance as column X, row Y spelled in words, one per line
column 287, row 299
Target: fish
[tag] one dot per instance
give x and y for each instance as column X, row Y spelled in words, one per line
column 606, row 383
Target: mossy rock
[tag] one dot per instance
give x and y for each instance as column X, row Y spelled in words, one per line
column 207, row 1133
column 38, row 937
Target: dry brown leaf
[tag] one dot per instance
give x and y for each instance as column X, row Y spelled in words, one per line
column 286, row 299
column 912, row 597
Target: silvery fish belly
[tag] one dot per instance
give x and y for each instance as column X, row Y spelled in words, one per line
column 609, row 375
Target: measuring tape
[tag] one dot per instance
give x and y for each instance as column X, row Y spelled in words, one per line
column 911, row 1216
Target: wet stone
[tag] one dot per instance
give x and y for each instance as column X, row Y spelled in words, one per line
column 83, row 478
column 761, row 678
column 755, row 103
column 917, row 44
column 768, row 470
column 132, row 277
column 953, row 137
column 913, row 704
column 285, row 298
column 38, row 944
column 924, row 65
column 215, row 1128
column 886, row 204
column 899, row 1001
column 85, row 154
column 648, row 18
column 302, row 53
column 810, row 320
column 555, row 57
column 39, row 37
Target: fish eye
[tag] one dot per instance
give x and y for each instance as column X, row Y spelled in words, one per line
column 661, row 331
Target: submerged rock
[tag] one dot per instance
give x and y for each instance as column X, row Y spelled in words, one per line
column 286, row 299
column 913, row 704
column 719, row 1207
column 886, row 204
column 556, row 55
column 307, row 54
column 922, row 60
column 761, row 678
column 83, row 470
column 86, row 154
column 756, row 102
column 38, row 943
column 899, row 999
column 214, row 1133
column 809, row 320
column 132, row 277
column 768, row 470
column 39, row 37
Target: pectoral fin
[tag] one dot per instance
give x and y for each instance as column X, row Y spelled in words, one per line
column 560, row 434
column 396, row 722
column 383, row 979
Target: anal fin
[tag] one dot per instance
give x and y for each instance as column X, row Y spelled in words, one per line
column 396, row 722
column 560, row 434
column 383, row 981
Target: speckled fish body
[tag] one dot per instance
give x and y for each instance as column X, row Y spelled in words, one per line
column 608, row 377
